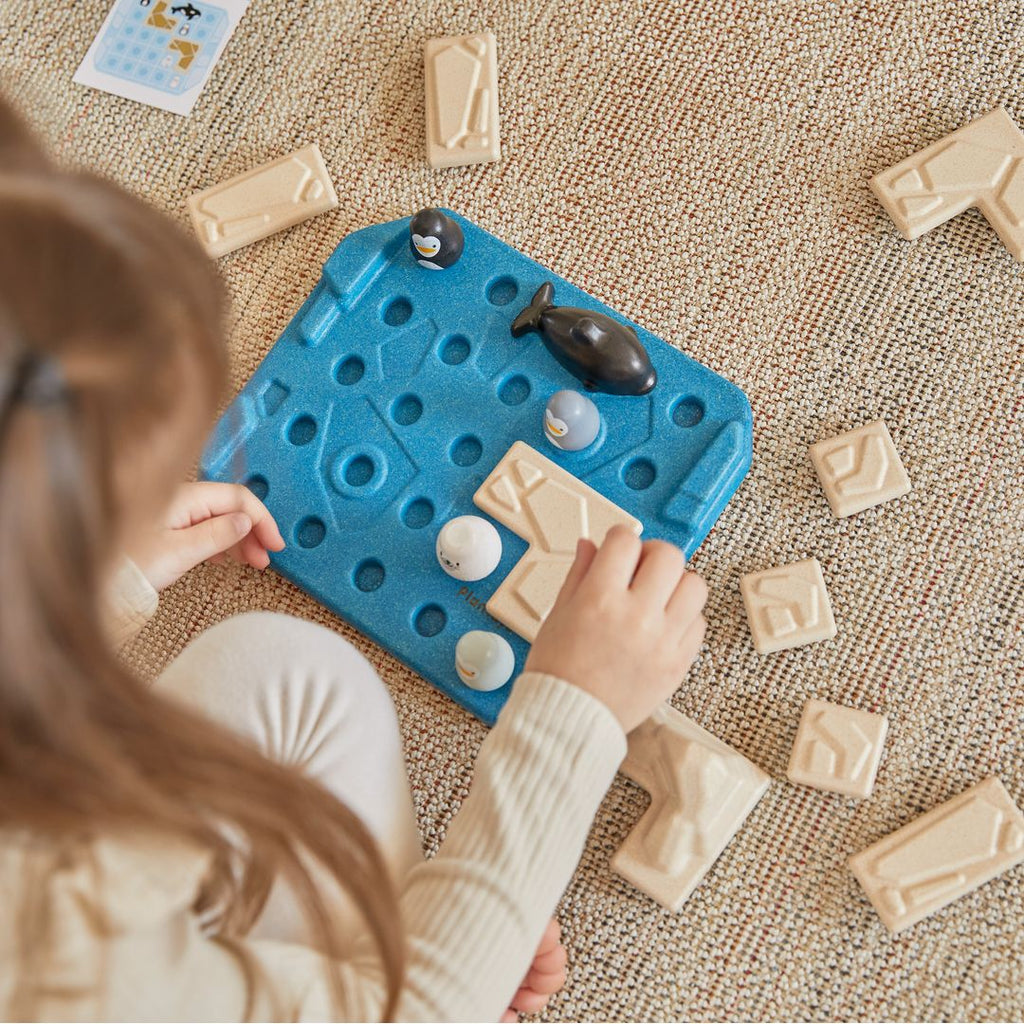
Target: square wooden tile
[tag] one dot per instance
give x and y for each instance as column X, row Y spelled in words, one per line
column 859, row 469
column 787, row 606
column 837, row 748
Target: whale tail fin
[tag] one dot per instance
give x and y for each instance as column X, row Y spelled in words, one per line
column 529, row 319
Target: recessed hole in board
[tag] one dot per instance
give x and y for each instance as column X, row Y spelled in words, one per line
column 455, row 350
column 430, row 620
column 466, row 450
column 369, row 575
column 501, row 291
column 258, row 485
column 687, row 412
column 406, row 410
column 639, row 474
column 514, row 390
column 397, row 312
column 302, row 430
column 310, row 532
column 359, row 471
column 350, row 371
column 418, row 513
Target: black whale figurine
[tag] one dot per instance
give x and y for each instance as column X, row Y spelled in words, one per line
column 593, row 347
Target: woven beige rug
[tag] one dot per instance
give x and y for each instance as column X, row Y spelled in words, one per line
column 702, row 167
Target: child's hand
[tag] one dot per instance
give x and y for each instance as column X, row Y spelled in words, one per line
column 208, row 521
column 626, row 626
column 544, row 978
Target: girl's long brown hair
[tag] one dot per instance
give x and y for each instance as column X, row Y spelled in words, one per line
column 124, row 312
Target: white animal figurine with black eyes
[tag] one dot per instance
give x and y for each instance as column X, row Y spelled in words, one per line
column 435, row 239
column 484, row 661
column 468, row 548
column 571, row 421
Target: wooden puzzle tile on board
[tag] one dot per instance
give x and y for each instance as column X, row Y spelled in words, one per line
column 551, row 510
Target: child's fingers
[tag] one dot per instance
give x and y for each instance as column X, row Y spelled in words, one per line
column 550, row 961
column 528, row 1001
column 615, row 562
column 508, row 1017
column 657, row 576
column 217, row 499
column 234, row 553
column 687, row 600
column 553, row 932
column 585, row 551
column 690, row 645
column 206, row 539
column 253, row 552
column 544, row 983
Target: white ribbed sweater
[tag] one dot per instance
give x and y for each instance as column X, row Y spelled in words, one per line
column 125, row 945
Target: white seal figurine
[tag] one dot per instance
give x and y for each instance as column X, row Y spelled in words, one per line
column 468, row 548
column 484, row 661
column 571, row 421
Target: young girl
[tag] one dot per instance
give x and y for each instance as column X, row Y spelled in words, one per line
column 238, row 841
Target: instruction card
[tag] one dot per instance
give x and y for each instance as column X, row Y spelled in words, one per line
column 159, row 52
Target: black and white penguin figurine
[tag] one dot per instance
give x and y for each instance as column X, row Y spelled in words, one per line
column 435, row 239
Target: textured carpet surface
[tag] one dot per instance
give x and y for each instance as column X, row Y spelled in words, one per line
column 702, row 167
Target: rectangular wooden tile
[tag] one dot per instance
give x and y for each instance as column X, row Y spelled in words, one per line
column 461, row 81
column 263, row 201
column 943, row 855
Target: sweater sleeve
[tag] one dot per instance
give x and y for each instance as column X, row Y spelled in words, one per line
column 131, row 602
column 475, row 913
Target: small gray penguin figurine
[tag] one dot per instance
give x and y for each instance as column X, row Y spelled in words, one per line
column 571, row 421
column 598, row 350
column 435, row 239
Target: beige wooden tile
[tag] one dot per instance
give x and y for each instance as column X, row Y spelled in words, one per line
column 461, row 81
column 859, row 469
column 701, row 793
column 263, row 201
column 550, row 509
column 787, row 606
column 837, row 748
column 943, row 855
column 978, row 165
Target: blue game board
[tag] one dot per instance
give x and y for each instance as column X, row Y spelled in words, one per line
column 163, row 44
column 390, row 397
